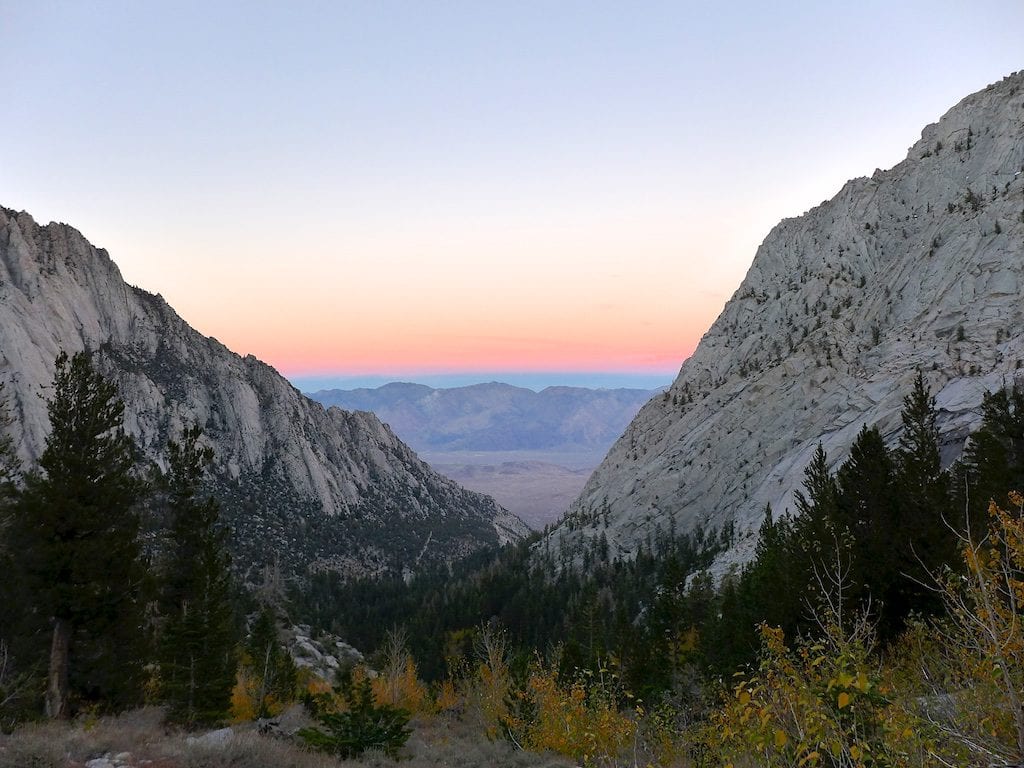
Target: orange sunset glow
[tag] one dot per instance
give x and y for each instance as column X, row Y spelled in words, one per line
column 413, row 188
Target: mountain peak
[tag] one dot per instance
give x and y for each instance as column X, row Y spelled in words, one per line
column 300, row 485
column 918, row 267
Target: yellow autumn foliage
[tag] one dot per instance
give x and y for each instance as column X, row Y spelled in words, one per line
column 581, row 719
column 448, row 698
column 243, row 698
column 949, row 692
column 400, row 686
column 819, row 704
column 969, row 668
column 946, row 693
column 487, row 690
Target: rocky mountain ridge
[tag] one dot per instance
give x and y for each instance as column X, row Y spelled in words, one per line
column 917, row 267
column 303, row 487
column 496, row 416
column 531, row 451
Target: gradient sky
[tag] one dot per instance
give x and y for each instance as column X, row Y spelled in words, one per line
column 413, row 188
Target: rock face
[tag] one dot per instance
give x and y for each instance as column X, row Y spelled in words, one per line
column 917, row 267
column 324, row 656
column 302, row 486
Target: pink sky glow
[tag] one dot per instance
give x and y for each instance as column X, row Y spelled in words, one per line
column 416, row 187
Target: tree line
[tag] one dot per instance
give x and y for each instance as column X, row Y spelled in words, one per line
column 890, row 520
column 118, row 590
column 879, row 625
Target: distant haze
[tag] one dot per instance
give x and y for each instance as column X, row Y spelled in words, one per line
column 536, row 380
column 532, row 451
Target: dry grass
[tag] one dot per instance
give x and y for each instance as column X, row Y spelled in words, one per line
column 454, row 743
column 42, row 745
column 435, row 742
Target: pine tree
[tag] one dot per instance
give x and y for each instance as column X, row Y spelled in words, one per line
column 869, row 522
column 197, row 664
column 994, row 461
column 815, row 539
column 780, row 581
column 363, row 725
column 771, row 589
column 925, row 543
column 76, row 536
column 918, row 453
column 777, row 579
column 819, row 504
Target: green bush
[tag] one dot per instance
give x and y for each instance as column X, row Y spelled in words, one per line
column 363, row 726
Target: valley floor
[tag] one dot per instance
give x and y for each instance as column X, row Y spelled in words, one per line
column 535, row 486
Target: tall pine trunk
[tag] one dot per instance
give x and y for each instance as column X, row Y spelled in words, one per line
column 57, row 688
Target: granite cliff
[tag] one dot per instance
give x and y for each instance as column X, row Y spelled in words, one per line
column 302, row 486
column 917, row 267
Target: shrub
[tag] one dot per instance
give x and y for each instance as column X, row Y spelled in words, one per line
column 970, row 668
column 398, row 684
column 822, row 703
column 581, row 719
column 362, row 726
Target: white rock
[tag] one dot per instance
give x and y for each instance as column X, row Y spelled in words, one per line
column 839, row 309
column 323, row 656
column 58, row 292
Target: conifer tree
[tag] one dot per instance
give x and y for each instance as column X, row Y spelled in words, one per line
column 76, row 539
column 197, row 664
column 869, row 521
column 994, row 461
column 776, row 579
column 816, row 539
column 771, row 589
column 918, row 453
column 790, row 550
column 818, row 508
column 925, row 541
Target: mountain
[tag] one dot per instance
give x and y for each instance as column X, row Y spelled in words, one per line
column 532, row 451
column 302, row 486
column 917, row 267
column 496, row 417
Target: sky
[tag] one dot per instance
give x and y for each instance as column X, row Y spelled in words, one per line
column 567, row 192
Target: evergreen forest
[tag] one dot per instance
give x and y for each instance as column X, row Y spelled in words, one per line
column 877, row 624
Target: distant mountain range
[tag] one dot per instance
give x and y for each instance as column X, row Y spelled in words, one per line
column 532, row 451
column 495, row 416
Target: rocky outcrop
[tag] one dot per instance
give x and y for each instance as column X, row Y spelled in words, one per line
column 303, row 487
column 917, row 267
column 324, row 655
